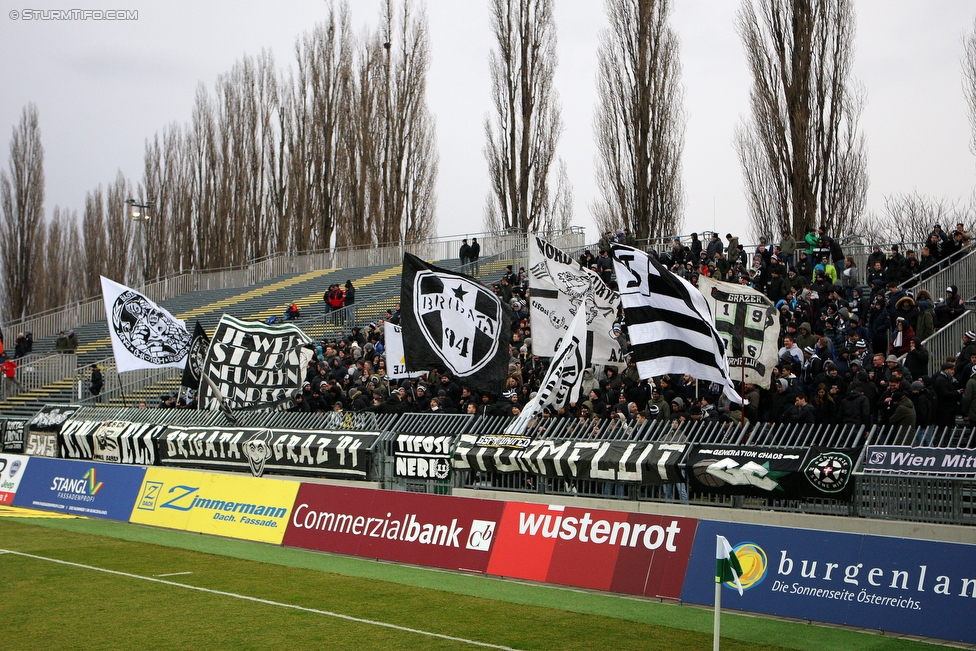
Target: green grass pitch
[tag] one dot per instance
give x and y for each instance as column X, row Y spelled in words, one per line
column 266, row 597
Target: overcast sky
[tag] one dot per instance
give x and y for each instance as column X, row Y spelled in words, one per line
column 102, row 88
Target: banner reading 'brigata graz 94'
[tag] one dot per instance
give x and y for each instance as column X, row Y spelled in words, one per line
column 633, row 553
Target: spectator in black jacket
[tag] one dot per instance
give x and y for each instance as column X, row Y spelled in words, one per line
column 947, row 394
column 802, row 412
column 855, row 408
column 950, row 309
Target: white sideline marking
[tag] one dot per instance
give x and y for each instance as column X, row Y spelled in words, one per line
column 268, row 602
column 174, row 574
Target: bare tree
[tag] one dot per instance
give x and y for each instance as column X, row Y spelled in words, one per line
column 390, row 152
column 409, row 157
column 521, row 137
column 969, row 82
column 803, row 157
column 908, row 218
column 560, row 216
column 315, row 106
column 95, row 249
column 639, row 122
column 22, row 228
column 58, row 281
column 328, row 54
column 118, row 228
column 362, row 146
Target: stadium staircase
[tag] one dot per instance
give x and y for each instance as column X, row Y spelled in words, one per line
column 377, row 290
column 947, row 341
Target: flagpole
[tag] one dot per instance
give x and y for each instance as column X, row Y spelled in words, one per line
column 718, row 611
column 742, row 388
column 125, row 403
column 727, row 568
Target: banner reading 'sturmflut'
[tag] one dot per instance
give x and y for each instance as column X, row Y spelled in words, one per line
column 452, row 321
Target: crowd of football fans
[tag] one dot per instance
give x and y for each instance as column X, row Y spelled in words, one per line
column 850, row 340
column 850, row 343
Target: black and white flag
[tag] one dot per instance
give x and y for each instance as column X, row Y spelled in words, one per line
column 254, row 365
column 669, row 322
column 452, row 321
column 561, row 287
column 746, row 321
column 563, row 380
column 194, row 361
column 144, row 335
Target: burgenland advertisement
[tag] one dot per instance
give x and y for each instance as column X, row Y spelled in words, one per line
column 433, row 530
column 893, row 584
column 631, row 553
column 224, row 505
column 89, row 488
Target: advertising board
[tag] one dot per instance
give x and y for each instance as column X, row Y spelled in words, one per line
column 917, row 587
column 12, row 467
column 93, row 489
column 224, row 505
column 920, row 460
column 433, row 530
column 632, row 553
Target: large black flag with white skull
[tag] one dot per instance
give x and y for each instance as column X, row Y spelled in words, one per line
column 452, row 321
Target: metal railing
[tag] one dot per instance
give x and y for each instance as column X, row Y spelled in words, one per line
column 961, row 273
column 362, row 421
column 375, row 309
column 947, row 342
column 876, row 494
column 51, row 322
column 115, row 387
column 37, row 371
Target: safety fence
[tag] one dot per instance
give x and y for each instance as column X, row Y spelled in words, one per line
column 36, row 371
column 922, row 474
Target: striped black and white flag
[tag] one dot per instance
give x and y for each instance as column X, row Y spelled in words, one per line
column 669, row 322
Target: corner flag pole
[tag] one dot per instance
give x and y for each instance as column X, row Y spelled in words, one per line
column 718, row 613
column 727, row 568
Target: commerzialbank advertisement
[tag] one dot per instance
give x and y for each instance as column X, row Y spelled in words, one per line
column 901, row 585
